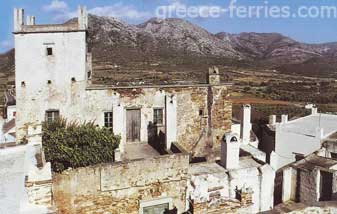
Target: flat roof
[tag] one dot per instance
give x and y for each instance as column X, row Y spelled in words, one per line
column 197, row 169
column 313, row 161
column 308, row 125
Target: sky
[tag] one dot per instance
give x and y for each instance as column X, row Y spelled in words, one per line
column 316, row 26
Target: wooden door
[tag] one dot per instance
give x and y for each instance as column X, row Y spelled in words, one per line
column 326, row 186
column 133, row 125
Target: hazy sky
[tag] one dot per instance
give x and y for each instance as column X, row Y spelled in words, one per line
column 318, row 28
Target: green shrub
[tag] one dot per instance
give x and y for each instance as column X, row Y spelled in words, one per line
column 77, row 145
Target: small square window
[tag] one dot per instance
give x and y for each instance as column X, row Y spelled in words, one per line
column 158, row 116
column 108, row 120
column 52, row 115
column 49, row 51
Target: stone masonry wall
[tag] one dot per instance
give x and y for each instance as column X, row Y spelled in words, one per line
column 308, row 186
column 224, row 206
column 39, row 193
column 204, row 114
column 120, row 188
column 221, row 114
column 198, row 109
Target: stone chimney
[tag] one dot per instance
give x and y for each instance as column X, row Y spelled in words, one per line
column 213, row 76
column 284, row 118
column 230, row 151
column 272, row 120
column 246, row 125
column 18, row 19
column 82, row 18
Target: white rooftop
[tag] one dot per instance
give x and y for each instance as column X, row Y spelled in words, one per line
column 308, row 125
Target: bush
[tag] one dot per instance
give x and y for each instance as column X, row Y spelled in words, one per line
column 246, row 89
column 77, row 145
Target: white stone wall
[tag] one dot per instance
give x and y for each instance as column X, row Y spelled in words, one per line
column 15, row 165
column 171, row 120
column 289, row 184
column 259, row 179
column 34, row 69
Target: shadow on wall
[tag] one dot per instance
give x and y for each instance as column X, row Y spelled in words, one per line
column 156, row 138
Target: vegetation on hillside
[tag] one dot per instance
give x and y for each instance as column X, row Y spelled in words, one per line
column 72, row 145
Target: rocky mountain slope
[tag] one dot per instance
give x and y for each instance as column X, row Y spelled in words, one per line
column 277, row 49
column 175, row 45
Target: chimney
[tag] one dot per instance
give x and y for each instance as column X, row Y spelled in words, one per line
column 272, row 120
column 246, row 125
column 30, row 20
column 284, row 118
column 18, row 19
column 82, row 18
column 213, row 76
column 230, row 150
column 314, row 111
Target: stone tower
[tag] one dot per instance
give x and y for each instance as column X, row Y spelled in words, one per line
column 49, row 59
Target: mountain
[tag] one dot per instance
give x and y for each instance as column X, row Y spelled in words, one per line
column 176, row 45
column 7, row 68
column 276, row 49
column 7, row 61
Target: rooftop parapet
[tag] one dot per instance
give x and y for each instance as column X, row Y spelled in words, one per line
column 20, row 27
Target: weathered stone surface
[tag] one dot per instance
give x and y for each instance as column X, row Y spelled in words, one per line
column 119, row 188
column 40, row 193
column 308, row 190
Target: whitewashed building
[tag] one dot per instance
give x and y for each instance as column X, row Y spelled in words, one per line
column 286, row 140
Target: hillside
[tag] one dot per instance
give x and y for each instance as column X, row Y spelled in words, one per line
column 162, row 50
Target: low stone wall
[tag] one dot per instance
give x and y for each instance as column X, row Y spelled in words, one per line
column 121, row 187
column 224, row 206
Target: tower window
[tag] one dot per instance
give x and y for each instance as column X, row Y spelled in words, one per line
column 49, row 51
column 108, row 119
column 52, row 115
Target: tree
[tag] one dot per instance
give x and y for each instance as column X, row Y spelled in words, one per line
column 77, row 145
